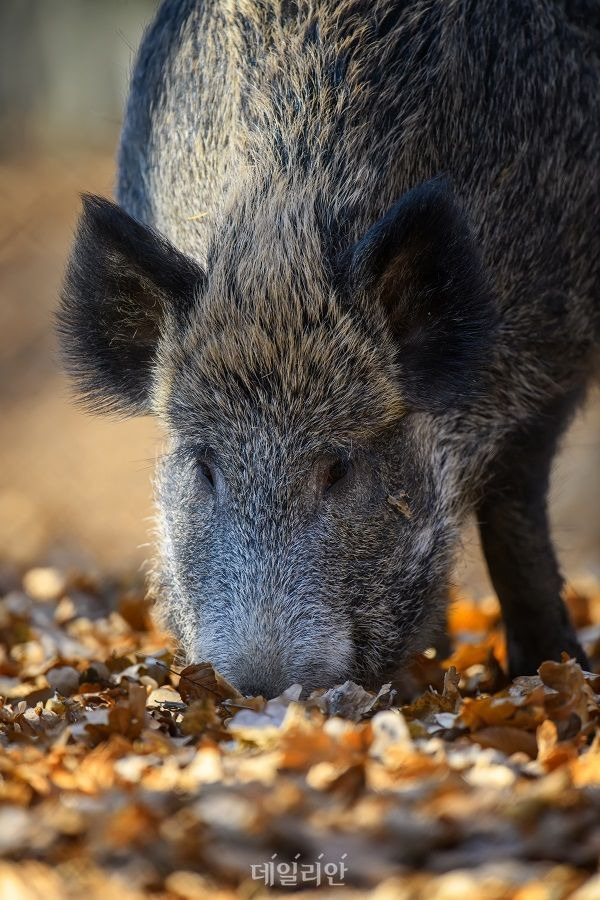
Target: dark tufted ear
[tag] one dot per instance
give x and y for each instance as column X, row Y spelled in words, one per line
column 420, row 262
column 122, row 279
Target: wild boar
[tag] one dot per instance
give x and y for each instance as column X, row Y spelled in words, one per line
column 354, row 272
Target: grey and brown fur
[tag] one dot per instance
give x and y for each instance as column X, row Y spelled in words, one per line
column 385, row 285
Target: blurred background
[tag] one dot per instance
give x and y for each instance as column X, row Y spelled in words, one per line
column 75, row 491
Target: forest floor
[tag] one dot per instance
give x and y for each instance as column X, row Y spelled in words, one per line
column 123, row 775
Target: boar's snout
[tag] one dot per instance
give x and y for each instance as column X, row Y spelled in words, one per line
column 317, row 657
column 254, row 675
column 255, row 685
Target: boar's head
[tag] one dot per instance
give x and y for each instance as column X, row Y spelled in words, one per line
column 307, row 501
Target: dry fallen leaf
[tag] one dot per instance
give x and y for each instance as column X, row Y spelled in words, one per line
column 202, row 680
column 119, row 775
column 401, row 505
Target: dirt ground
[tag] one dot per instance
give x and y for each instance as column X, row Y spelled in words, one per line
column 76, row 490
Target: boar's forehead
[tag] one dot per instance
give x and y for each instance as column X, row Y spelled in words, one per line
column 284, row 367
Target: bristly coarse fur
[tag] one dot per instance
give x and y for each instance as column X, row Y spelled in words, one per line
column 315, row 117
column 330, row 295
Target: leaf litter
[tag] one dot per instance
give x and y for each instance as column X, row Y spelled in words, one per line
column 123, row 773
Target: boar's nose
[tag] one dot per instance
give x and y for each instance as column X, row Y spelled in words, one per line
column 262, row 686
column 252, row 682
column 258, row 689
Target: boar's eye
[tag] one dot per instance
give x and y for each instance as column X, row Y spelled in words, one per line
column 205, row 472
column 336, row 472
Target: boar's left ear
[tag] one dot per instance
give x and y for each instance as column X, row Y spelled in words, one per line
column 122, row 281
column 420, row 262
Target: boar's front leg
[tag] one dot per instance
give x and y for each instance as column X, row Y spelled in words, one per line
column 515, row 535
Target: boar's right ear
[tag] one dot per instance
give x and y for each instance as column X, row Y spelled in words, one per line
column 122, row 280
column 420, row 262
